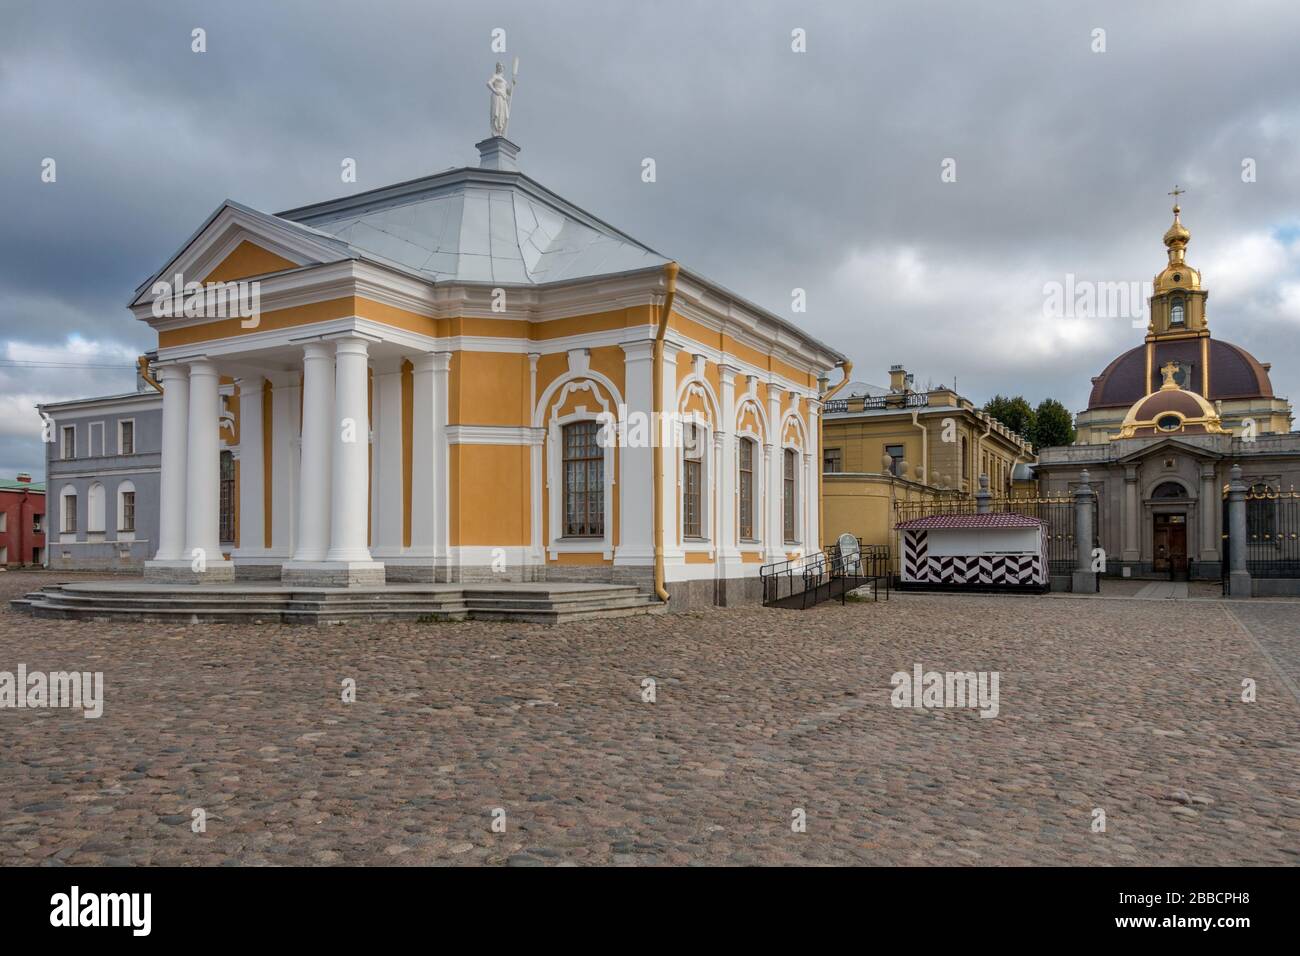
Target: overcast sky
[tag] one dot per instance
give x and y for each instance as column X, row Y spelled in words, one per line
column 776, row 170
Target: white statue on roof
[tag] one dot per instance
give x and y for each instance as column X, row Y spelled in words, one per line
column 502, row 91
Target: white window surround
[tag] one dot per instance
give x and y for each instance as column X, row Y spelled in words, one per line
column 90, row 442
column 95, row 520
column 67, row 446
column 65, row 535
column 758, row 478
column 134, row 436
column 801, row 462
column 708, row 487
column 122, row 489
column 554, row 453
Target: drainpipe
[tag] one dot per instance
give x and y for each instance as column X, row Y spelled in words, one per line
column 142, row 363
column 979, row 447
column 847, row 366
column 657, row 401
column 925, row 445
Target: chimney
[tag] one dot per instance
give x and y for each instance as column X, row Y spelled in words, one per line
column 899, row 380
column 25, row 478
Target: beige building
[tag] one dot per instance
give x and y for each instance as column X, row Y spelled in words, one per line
column 883, row 445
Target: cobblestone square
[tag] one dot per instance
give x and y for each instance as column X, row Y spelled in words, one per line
column 1133, row 707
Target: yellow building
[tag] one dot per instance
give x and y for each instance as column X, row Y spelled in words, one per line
column 882, row 446
column 459, row 378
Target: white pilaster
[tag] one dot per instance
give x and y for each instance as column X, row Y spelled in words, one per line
column 429, row 501
column 728, row 472
column 387, row 480
column 671, row 459
column 175, row 380
column 1210, row 504
column 775, row 461
column 203, row 475
column 812, row 539
column 252, row 485
column 636, row 494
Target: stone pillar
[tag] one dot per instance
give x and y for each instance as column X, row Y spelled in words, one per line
column 252, row 485
column 636, row 465
column 349, row 481
column 387, row 480
column 1238, row 576
column 983, row 498
column 1132, row 516
column 285, row 440
column 429, row 500
column 1084, row 579
column 313, row 524
column 175, row 381
column 1210, row 505
column 203, row 477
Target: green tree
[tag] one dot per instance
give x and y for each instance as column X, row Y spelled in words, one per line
column 1015, row 413
column 1054, row 425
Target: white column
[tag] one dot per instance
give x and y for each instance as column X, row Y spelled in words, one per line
column 350, row 489
column 313, row 530
column 387, row 480
column 775, row 536
column 203, row 469
column 429, row 501
column 636, row 471
column 285, row 410
column 728, row 555
column 175, row 381
column 252, row 511
column 1132, row 518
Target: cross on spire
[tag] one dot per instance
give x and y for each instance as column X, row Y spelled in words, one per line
column 1176, row 192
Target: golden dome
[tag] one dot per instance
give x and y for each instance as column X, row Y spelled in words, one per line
column 1178, row 274
column 1171, row 410
column 1177, row 232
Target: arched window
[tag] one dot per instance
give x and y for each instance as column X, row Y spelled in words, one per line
column 584, row 481
column 126, row 508
column 1177, row 311
column 68, row 523
column 95, row 509
column 788, row 487
column 692, row 481
column 746, row 483
column 1169, row 489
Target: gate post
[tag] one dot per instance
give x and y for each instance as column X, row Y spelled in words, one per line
column 1238, row 575
column 983, row 499
column 1084, row 579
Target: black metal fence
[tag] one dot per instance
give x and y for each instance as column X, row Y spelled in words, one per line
column 1272, row 533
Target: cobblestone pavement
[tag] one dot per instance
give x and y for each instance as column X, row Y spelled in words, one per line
column 1133, row 707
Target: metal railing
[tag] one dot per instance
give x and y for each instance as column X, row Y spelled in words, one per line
column 811, row 579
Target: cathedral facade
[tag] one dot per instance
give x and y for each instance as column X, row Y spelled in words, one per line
column 1165, row 423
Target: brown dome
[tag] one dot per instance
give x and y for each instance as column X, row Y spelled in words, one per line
column 1234, row 373
column 1172, row 400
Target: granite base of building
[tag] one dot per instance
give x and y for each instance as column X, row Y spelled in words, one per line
column 333, row 574
column 184, row 572
column 1275, row 587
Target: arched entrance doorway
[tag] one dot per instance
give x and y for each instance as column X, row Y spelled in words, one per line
column 1169, row 507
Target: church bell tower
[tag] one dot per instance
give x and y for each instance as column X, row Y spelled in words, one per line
column 1178, row 301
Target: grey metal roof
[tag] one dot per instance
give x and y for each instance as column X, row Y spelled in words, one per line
column 856, row 389
column 474, row 225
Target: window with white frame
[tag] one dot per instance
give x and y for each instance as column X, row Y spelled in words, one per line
column 584, row 480
column 692, row 481
column 126, row 507
column 788, row 487
column 69, row 497
column 95, row 509
column 68, row 443
column 746, row 488
column 126, row 436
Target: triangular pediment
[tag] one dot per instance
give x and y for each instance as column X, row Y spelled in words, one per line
column 237, row 242
column 1168, row 445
